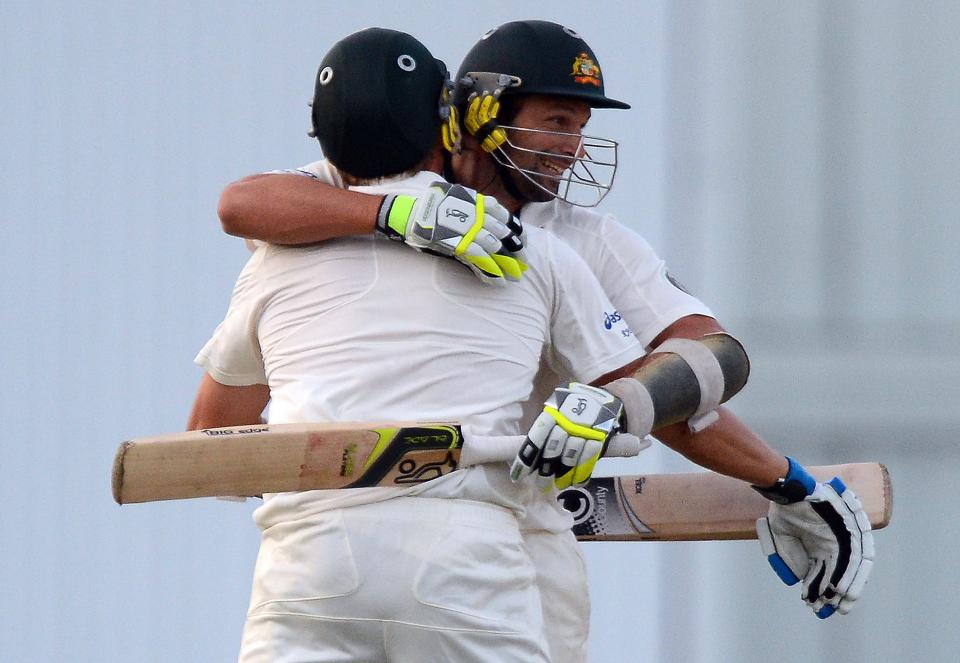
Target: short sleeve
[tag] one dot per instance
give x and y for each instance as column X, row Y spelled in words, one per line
column 638, row 282
column 232, row 355
column 321, row 171
column 589, row 337
column 634, row 277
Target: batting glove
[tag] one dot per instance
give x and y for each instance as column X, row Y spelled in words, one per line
column 568, row 438
column 454, row 221
column 483, row 105
column 817, row 532
column 481, row 120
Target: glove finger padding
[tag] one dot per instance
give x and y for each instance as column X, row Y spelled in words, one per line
column 856, row 587
column 531, row 451
column 511, row 267
column 553, row 449
column 477, row 240
column 480, row 121
column 582, row 466
column 454, row 221
column 509, row 229
column 833, row 534
column 785, row 553
column 843, row 512
column 551, row 461
column 569, row 436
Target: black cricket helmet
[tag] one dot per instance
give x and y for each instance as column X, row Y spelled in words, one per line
column 543, row 58
column 548, row 58
column 379, row 102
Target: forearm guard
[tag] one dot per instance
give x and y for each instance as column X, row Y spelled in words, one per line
column 685, row 380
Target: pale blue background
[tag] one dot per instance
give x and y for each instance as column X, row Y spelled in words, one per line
column 796, row 163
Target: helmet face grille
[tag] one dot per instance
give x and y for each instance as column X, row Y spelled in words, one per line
column 587, row 179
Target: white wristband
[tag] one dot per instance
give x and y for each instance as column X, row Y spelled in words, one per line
column 637, row 404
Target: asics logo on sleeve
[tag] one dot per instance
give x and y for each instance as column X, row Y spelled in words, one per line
column 614, row 321
column 610, row 319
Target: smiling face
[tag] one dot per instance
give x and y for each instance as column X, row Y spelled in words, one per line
column 545, row 138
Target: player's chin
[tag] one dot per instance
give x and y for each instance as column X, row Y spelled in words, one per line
column 537, row 189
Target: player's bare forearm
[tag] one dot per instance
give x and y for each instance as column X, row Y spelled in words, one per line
column 292, row 209
column 217, row 405
column 727, row 447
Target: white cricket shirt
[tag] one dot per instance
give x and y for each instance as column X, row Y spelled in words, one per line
column 635, row 279
column 365, row 329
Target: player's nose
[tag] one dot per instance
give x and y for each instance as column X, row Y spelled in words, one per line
column 571, row 145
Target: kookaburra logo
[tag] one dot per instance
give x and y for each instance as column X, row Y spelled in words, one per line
column 580, row 406
column 461, row 215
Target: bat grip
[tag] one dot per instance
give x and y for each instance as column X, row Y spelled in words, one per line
column 479, row 449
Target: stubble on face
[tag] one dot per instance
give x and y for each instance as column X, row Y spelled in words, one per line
column 475, row 168
column 546, row 152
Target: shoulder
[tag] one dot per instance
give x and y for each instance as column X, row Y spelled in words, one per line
column 599, row 238
column 321, row 171
column 410, row 185
column 549, row 247
column 557, row 264
column 574, row 224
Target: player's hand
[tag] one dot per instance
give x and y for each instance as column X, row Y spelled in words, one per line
column 569, row 436
column 481, row 120
column 818, row 533
column 455, row 221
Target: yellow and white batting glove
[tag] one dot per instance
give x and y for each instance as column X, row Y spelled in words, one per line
column 818, row 533
column 483, row 105
column 454, row 221
column 481, row 120
column 569, row 437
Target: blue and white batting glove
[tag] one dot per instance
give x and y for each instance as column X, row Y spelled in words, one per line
column 818, row 533
column 460, row 223
column 569, row 437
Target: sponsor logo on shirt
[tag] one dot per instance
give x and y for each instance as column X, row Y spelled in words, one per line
column 611, row 320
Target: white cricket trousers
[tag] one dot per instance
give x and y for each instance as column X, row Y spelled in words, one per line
column 407, row 580
column 564, row 593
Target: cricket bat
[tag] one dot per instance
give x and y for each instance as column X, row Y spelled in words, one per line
column 253, row 460
column 701, row 506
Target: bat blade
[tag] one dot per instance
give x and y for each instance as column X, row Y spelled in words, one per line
column 700, row 506
column 278, row 458
column 252, row 460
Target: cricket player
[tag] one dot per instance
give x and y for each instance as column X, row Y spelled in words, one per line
column 364, row 328
column 524, row 143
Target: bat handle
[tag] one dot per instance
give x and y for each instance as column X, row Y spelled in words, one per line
column 479, row 449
